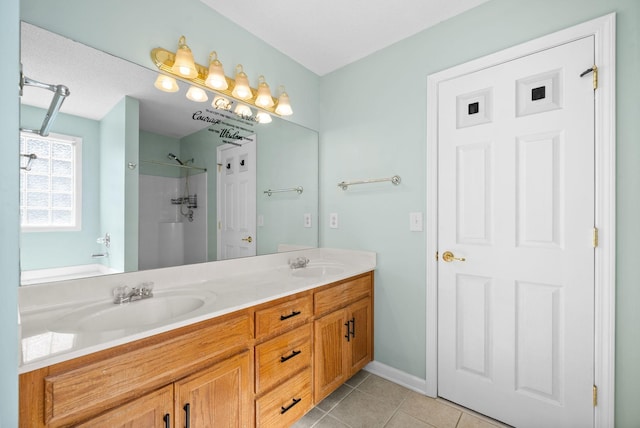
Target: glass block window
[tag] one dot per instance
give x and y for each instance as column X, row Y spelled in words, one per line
column 50, row 197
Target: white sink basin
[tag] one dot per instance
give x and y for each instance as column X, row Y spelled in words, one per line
column 107, row 316
column 317, row 271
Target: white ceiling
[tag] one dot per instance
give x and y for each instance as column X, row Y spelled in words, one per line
column 324, row 35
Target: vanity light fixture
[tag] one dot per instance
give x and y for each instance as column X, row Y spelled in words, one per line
column 216, row 78
column 241, row 89
column 212, row 79
column 166, row 83
column 264, row 99
column 197, row 94
column 184, row 64
column 284, row 107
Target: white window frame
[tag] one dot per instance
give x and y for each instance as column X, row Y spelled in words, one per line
column 76, row 142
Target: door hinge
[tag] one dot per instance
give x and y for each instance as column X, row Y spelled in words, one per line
column 595, row 396
column 595, row 237
column 436, row 256
column 593, row 70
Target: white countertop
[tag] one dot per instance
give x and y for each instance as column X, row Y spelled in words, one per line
column 232, row 284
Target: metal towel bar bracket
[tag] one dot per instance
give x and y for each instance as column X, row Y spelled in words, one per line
column 298, row 189
column 345, row 184
column 60, row 92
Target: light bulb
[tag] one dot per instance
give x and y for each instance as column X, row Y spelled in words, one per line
column 264, row 98
column 241, row 90
column 216, row 78
column 197, row 94
column 263, row 117
column 166, row 83
column 284, row 106
column 184, row 64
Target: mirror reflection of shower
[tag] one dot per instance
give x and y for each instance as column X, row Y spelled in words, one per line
column 173, row 220
column 187, row 201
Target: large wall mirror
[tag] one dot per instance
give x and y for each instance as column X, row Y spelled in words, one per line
column 157, row 179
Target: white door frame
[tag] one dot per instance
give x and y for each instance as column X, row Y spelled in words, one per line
column 603, row 29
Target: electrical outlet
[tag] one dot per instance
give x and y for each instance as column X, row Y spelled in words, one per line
column 307, row 219
column 333, row 220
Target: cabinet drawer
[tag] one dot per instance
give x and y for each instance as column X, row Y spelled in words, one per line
column 342, row 294
column 282, row 356
column 285, row 404
column 282, row 316
column 121, row 376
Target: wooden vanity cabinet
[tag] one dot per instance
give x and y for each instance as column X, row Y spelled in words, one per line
column 343, row 332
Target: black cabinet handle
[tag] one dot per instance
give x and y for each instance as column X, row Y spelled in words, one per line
column 167, row 420
column 352, row 332
column 187, row 412
column 348, row 335
column 286, row 409
column 291, row 315
column 288, row 357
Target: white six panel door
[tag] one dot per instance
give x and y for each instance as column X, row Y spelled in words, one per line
column 237, row 200
column 516, row 201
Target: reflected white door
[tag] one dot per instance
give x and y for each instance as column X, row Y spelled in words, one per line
column 237, row 200
column 516, row 202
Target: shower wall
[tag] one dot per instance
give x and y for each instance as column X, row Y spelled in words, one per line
column 166, row 237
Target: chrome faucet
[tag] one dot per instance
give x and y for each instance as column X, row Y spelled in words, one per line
column 125, row 294
column 298, row 262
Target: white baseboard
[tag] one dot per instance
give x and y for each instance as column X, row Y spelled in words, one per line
column 394, row 375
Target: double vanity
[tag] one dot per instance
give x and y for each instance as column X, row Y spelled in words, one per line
column 243, row 342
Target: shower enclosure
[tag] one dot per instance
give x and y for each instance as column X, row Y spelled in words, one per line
column 173, row 214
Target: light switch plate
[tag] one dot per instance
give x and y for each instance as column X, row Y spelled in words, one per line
column 307, row 219
column 333, row 220
column 415, row 222
column 260, row 220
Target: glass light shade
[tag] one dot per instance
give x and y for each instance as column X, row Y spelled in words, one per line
column 243, row 110
column 284, row 107
column 263, row 117
column 166, row 83
column 197, row 94
column 216, row 78
column 184, row 65
column 241, row 90
column 221, row 103
column 263, row 99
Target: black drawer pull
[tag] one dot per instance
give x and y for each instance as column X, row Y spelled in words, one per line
column 283, row 409
column 291, row 315
column 167, row 420
column 348, row 335
column 288, row 357
column 187, row 414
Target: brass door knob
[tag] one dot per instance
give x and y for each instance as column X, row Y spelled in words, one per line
column 248, row 239
column 448, row 257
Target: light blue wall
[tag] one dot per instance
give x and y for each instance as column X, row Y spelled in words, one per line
column 373, row 125
column 39, row 250
column 9, row 214
column 154, row 147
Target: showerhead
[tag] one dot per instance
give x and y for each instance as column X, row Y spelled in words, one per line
column 175, row 158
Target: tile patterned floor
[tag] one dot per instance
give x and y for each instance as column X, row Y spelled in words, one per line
column 367, row 400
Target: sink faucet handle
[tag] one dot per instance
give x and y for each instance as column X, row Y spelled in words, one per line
column 146, row 288
column 120, row 294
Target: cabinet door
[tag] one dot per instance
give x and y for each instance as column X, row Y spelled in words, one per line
column 220, row 396
column 360, row 344
column 152, row 410
column 330, row 352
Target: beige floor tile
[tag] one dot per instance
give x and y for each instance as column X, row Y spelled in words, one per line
column 474, row 414
column 360, row 409
column 357, row 378
column 469, row 421
column 384, row 390
column 403, row 420
column 429, row 410
column 334, row 398
column 307, row 421
column 330, row 422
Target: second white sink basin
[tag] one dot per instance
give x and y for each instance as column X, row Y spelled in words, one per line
column 107, row 316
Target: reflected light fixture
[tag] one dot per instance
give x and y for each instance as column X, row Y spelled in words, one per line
column 241, row 90
column 284, row 107
column 184, row 65
column 197, row 94
column 263, row 117
column 264, row 99
column 216, row 78
column 166, row 83
column 243, row 110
